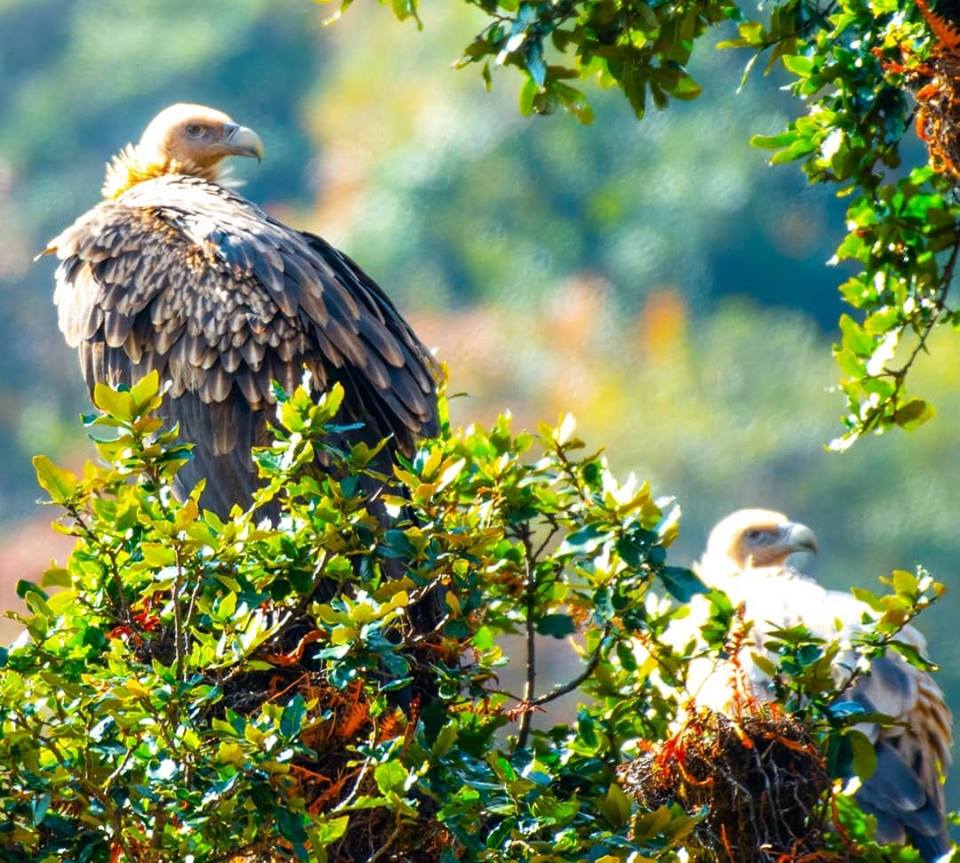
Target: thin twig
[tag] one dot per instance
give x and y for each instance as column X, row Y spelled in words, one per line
column 571, row 685
column 343, row 804
column 386, row 845
column 529, row 686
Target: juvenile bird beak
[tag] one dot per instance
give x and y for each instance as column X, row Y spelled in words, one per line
column 801, row 538
column 241, row 141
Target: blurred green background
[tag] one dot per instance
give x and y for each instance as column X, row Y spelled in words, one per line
column 656, row 279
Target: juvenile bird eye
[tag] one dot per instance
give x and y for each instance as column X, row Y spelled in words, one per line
column 194, row 130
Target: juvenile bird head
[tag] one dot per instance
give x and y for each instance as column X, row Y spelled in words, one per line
column 181, row 139
column 758, row 538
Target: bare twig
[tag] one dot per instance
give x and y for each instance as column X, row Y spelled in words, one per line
column 385, row 847
column 529, row 686
column 571, row 685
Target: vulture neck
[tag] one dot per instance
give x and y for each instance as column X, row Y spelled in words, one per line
column 732, row 576
column 129, row 167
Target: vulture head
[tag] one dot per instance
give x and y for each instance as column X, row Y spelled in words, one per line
column 752, row 538
column 182, row 139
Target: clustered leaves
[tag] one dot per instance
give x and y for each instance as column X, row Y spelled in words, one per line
column 198, row 689
column 809, row 672
column 856, row 70
column 318, row 678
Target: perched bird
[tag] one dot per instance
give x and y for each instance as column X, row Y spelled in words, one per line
column 175, row 271
column 748, row 556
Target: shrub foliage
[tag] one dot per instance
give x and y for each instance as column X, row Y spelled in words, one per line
column 265, row 688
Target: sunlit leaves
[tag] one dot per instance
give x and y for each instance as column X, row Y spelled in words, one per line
column 903, row 230
column 132, row 667
column 640, row 47
column 142, row 675
column 60, row 484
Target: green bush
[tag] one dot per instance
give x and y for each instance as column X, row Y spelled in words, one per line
column 260, row 689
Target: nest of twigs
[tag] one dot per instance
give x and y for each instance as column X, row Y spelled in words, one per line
column 333, row 775
column 938, row 110
column 758, row 782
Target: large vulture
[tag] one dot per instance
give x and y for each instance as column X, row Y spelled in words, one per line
column 175, row 271
column 748, row 557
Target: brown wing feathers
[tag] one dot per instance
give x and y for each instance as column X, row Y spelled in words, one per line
column 187, row 277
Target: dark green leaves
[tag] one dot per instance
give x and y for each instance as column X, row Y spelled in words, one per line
column 616, row 807
column 557, row 625
column 682, row 584
column 276, row 683
column 291, row 720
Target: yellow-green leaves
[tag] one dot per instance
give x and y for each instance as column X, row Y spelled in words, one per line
column 60, row 484
column 289, row 681
column 131, row 404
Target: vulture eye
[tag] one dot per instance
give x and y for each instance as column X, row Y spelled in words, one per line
column 758, row 537
column 194, row 130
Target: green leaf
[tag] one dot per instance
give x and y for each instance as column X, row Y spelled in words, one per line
column 855, row 338
column 681, row 583
column 330, row 830
column 764, row 664
column 483, row 638
column 24, row 588
column 60, row 484
column 391, row 776
column 557, row 625
column 113, row 402
column 145, row 390
column 686, row 89
column 39, row 806
column 56, row 577
column 227, row 606
column 616, row 807
column 799, row 65
column 913, row 414
column 773, row 142
column 528, row 93
column 584, row 540
column 291, row 720
column 864, row 754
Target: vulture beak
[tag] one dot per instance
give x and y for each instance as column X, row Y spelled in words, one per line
column 241, row 141
column 800, row 538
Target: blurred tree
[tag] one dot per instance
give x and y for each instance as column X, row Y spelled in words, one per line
column 854, row 65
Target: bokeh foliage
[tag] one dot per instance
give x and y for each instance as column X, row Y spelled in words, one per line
column 212, row 690
column 853, row 66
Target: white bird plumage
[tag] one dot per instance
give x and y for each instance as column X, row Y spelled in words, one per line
column 748, row 557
